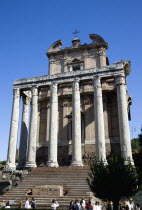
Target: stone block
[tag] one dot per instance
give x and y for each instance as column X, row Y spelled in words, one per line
column 49, row 190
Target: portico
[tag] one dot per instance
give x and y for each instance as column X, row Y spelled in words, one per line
column 84, row 91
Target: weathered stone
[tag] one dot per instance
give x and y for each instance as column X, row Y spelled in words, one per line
column 76, row 123
column 24, row 134
column 11, row 156
column 99, row 121
column 52, row 151
column 48, row 190
column 31, row 156
column 73, row 123
column 123, row 118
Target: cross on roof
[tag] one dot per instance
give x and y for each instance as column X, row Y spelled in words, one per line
column 76, row 32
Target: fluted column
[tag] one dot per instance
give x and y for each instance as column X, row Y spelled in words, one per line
column 99, row 121
column 31, row 156
column 123, row 118
column 76, row 125
column 24, row 133
column 13, row 136
column 53, row 129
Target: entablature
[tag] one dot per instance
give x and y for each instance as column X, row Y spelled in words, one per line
column 67, row 77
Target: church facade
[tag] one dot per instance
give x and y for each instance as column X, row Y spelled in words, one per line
column 78, row 111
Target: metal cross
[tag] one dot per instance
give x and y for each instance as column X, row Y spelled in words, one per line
column 75, row 33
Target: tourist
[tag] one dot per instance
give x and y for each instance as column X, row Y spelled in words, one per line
column 75, row 206
column 54, row 204
column 3, row 204
column 7, row 205
column 83, row 202
column 71, row 204
column 137, row 206
column 109, row 206
column 27, row 204
column 77, row 202
column 82, row 207
column 131, row 205
column 29, row 192
column 33, row 203
column 20, row 204
column 97, row 206
column 88, row 205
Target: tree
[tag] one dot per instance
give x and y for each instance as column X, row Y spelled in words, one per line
column 2, row 164
column 135, row 143
column 140, row 138
column 114, row 180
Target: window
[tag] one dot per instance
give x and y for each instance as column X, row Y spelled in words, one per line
column 76, row 67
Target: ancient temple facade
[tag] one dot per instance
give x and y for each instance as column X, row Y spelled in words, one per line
column 78, row 111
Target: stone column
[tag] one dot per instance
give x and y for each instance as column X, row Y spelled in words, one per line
column 53, row 129
column 76, row 125
column 123, row 118
column 24, row 133
column 99, row 121
column 31, row 156
column 13, row 136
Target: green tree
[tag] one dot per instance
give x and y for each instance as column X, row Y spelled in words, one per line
column 114, row 180
column 140, row 138
column 2, row 164
column 135, row 143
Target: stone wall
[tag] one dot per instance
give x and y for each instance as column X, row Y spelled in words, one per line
column 65, row 157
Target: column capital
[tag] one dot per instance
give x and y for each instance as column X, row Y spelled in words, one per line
column 76, row 80
column 120, row 80
column 26, row 100
column 16, row 93
column 97, row 81
column 75, row 84
column 34, row 90
column 54, row 86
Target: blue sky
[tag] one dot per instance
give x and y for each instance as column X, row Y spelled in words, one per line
column 29, row 27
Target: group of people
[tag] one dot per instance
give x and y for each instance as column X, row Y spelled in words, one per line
column 30, row 203
column 83, row 205
column 80, row 205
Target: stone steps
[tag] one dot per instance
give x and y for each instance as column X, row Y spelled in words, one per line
column 72, row 178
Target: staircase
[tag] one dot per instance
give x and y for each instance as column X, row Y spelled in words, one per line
column 72, row 178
